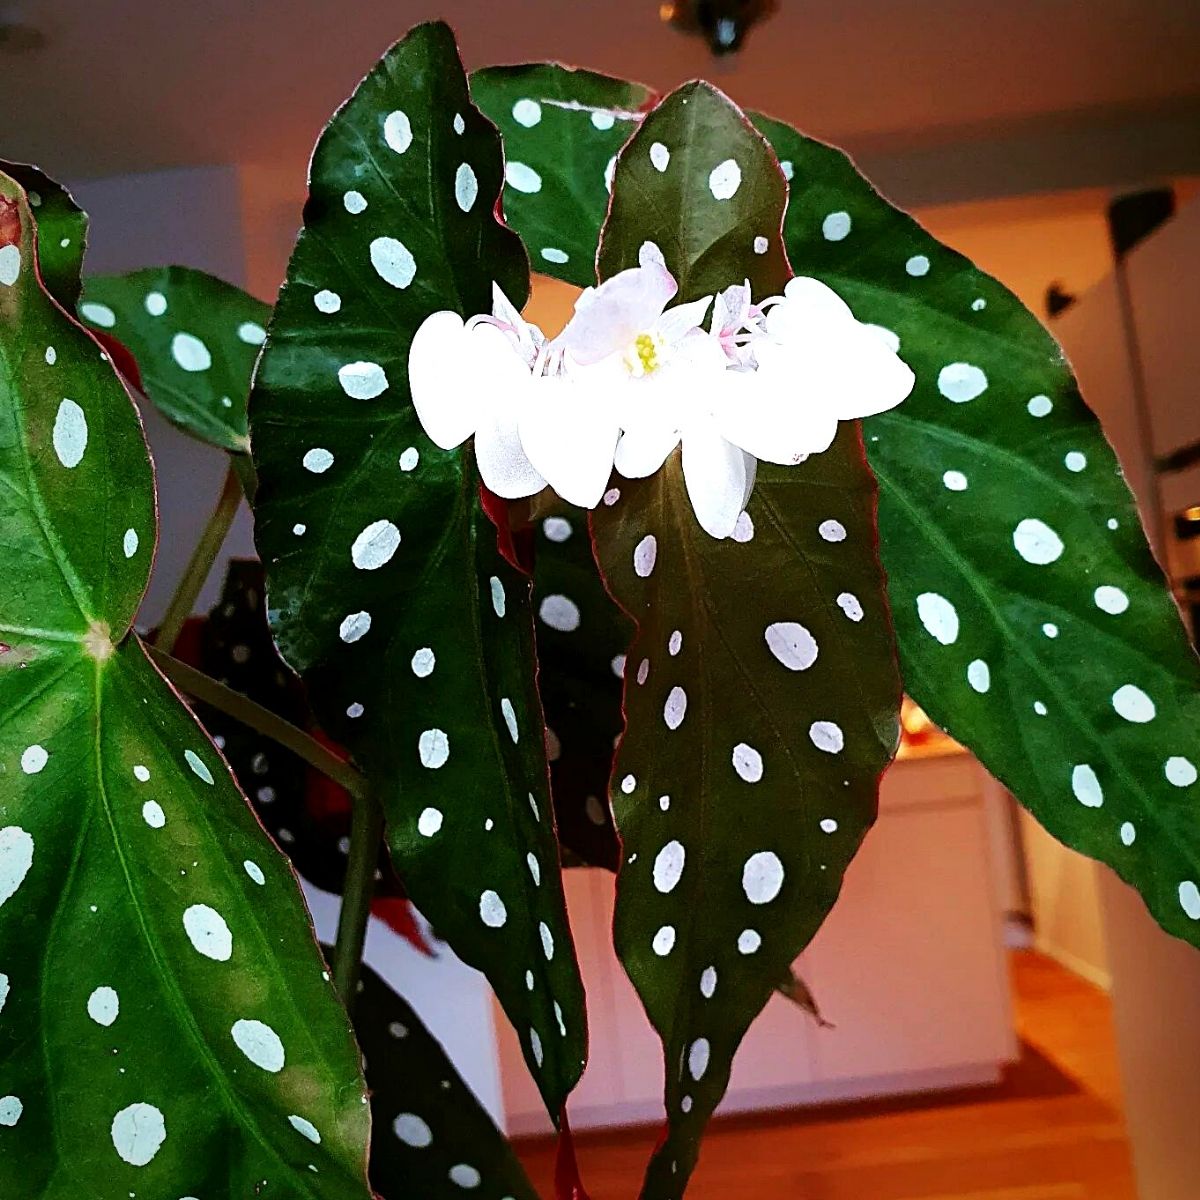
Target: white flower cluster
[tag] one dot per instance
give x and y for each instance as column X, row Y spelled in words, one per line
column 629, row 379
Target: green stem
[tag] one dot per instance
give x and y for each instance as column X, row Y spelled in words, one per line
column 247, row 712
column 200, row 564
column 366, row 833
column 366, row 828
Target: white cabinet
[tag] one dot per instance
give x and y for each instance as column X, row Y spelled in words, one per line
column 909, row 968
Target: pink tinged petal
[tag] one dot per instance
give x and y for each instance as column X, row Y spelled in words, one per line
column 717, row 477
column 676, row 322
column 650, row 255
column 570, row 434
column 770, row 414
column 439, row 378
column 503, row 308
column 609, row 317
column 528, row 338
column 731, row 310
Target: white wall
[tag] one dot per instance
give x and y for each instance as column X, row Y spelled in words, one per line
column 1156, row 978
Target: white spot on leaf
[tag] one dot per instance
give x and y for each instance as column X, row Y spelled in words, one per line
column 747, row 762
column 70, row 435
column 836, row 226
column 138, row 1132
column 208, row 933
column 354, row 626
column 1036, row 542
column 725, row 179
column 393, row 262
column 762, row 877
column 522, row 177
column 397, row 131
column 939, row 617
column 668, row 866
column 375, row 545
column 260, row 1044
column 960, row 382
column 190, row 353
column 1086, row 786
column 792, row 645
column 103, row 1006
column 1133, row 704
column 433, row 746
column 559, row 612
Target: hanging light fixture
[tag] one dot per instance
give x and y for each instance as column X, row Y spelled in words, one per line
column 722, row 23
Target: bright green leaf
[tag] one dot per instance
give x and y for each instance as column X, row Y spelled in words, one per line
column 61, row 231
column 388, row 593
column 432, row 1138
column 1033, row 623
column 562, row 131
column 166, row 1027
column 761, row 689
column 195, row 339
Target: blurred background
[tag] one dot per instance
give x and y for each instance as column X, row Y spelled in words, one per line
column 1004, row 1022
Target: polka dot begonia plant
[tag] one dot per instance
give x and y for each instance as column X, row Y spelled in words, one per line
column 166, row 1023
column 791, row 457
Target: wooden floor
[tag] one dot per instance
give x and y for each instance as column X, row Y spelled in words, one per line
column 1052, row 1131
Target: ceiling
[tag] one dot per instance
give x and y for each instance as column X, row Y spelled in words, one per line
column 127, row 85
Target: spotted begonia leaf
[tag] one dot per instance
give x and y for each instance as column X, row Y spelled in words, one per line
column 562, row 131
column 386, row 588
column 761, row 689
column 61, row 230
column 431, row 1136
column 581, row 641
column 195, row 339
column 165, row 1027
column 1033, row 622
column 1052, row 648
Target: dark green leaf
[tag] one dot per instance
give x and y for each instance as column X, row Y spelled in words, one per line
column 195, row 339
column 61, row 231
column 764, row 701
column 562, row 131
column 580, row 665
column 431, row 1137
column 1033, row 623
column 1026, row 448
column 387, row 590
column 166, row 1026
column 800, row 994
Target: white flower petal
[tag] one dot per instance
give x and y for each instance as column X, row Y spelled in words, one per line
column 731, row 309
column 644, row 447
column 811, row 300
column 446, row 407
column 609, row 317
column 718, row 479
column 570, row 433
column 529, row 337
column 872, row 379
column 676, row 322
column 503, row 463
column 771, row 414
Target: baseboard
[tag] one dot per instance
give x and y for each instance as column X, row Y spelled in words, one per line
column 1099, row 976
column 771, row 1100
